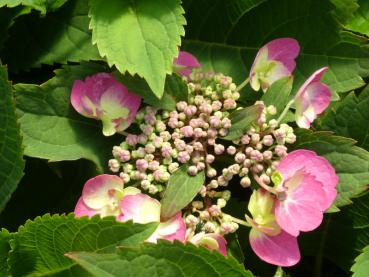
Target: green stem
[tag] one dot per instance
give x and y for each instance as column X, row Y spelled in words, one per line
column 286, row 109
column 244, row 83
column 241, row 222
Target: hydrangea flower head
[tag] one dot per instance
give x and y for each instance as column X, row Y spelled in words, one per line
column 102, row 97
column 307, row 189
column 142, row 209
column 274, row 60
column 211, row 241
column 312, row 99
column 101, row 195
column 185, row 62
column 271, row 243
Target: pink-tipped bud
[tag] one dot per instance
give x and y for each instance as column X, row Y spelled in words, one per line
column 131, row 140
column 255, row 155
column 245, row 139
column 192, row 170
column 141, row 165
column 281, row 150
column 231, row 150
column 268, row 140
column 240, row 157
column 183, row 157
column 181, row 106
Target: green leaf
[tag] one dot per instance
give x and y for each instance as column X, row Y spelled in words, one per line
column 361, row 266
column 351, row 118
column 58, row 37
column 39, row 246
column 181, row 190
column 350, row 162
column 175, row 90
column 345, row 9
column 41, row 5
column 52, row 129
column 163, row 259
column 278, row 94
column 242, row 120
column 139, row 36
column 359, row 19
column 234, row 248
column 4, row 250
column 11, row 152
column 228, row 43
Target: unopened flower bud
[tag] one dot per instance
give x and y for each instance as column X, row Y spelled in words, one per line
column 245, row 182
column 272, row 110
column 240, row 157
column 281, row 150
column 245, row 139
column 192, row 170
column 145, row 184
column 173, row 167
column 218, row 149
column 211, row 172
column 231, row 150
column 221, row 203
column 114, row 165
column 209, row 227
column 125, row 177
column 191, row 220
column 209, row 158
column 268, row 140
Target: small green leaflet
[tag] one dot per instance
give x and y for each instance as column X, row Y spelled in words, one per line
column 361, row 266
column 181, row 190
column 139, row 36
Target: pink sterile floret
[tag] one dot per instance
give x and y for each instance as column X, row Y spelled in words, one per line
column 312, row 99
column 307, row 190
column 102, row 97
column 274, row 60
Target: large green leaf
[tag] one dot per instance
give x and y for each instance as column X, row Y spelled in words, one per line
column 163, row 259
column 11, row 152
column 58, row 37
column 4, row 250
column 139, row 36
column 52, row 129
column 181, row 190
column 39, row 246
column 351, row 118
column 228, row 43
column 350, row 162
column 345, row 9
column 361, row 266
column 41, row 5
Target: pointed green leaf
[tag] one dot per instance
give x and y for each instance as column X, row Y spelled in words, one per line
column 164, row 259
column 139, row 36
column 181, row 190
column 39, row 246
column 242, row 120
column 11, row 152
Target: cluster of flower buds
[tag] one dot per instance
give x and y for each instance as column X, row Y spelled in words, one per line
column 291, row 191
column 187, row 135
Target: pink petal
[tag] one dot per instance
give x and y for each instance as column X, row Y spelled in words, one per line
column 140, row 208
column 96, row 191
column 274, row 60
column 100, row 96
column 82, row 210
column 315, row 77
column 312, row 99
column 302, row 209
column 314, row 165
column 281, row 250
column 187, row 62
column 284, row 50
column 172, row 229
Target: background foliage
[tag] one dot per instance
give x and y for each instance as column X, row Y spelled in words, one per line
column 46, row 45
